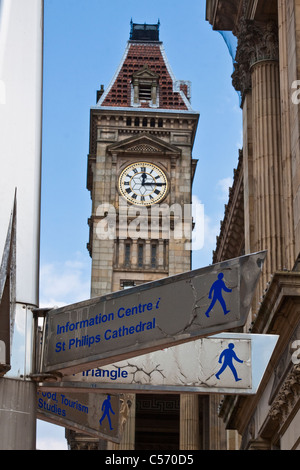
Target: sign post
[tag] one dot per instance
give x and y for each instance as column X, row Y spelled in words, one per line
column 100, row 415
column 228, row 363
column 150, row 317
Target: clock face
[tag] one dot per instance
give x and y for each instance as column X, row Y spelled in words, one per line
column 143, row 183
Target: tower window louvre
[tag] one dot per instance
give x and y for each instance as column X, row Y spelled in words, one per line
column 145, row 92
column 145, row 86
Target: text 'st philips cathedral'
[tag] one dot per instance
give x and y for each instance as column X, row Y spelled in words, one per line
column 142, row 132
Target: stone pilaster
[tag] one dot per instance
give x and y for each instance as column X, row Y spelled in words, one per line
column 121, row 257
column 148, row 253
column 161, row 254
column 134, row 253
column 189, row 422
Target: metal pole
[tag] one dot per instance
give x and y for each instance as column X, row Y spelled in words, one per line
column 21, row 62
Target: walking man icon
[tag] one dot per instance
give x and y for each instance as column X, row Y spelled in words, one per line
column 106, row 408
column 216, row 289
column 228, row 355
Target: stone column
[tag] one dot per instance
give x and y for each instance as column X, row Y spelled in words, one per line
column 189, row 422
column 267, row 173
column 257, row 74
column 217, row 439
column 284, row 18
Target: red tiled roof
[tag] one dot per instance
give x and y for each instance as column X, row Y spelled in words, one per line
column 139, row 55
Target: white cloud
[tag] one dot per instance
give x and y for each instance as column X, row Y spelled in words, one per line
column 51, row 443
column 223, row 186
column 212, row 229
column 198, row 233
column 239, row 144
column 50, row 436
column 209, row 229
column 64, row 282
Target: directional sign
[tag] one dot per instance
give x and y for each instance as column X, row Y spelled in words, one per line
column 150, row 317
column 231, row 363
column 99, row 415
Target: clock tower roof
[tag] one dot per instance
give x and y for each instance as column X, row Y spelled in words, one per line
column 144, row 79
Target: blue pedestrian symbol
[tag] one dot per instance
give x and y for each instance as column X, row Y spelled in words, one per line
column 228, row 355
column 107, row 409
column 216, row 289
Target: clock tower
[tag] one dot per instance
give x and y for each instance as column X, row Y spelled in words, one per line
column 140, row 174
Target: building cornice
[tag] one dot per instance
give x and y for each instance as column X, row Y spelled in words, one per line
column 230, row 242
column 223, row 15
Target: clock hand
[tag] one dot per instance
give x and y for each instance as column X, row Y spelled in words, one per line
column 154, row 183
column 144, row 177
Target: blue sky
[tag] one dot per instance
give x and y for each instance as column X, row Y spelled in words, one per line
column 84, row 41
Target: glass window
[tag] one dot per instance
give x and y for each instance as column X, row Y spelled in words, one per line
column 153, row 256
column 127, row 284
column 127, row 254
column 140, row 255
